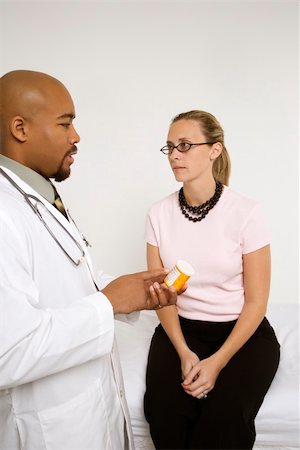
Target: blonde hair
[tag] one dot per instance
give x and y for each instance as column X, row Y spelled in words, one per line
column 213, row 132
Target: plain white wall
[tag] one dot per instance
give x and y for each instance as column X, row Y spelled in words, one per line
column 130, row 67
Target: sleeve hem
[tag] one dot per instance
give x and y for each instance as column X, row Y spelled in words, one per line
column 256, row 247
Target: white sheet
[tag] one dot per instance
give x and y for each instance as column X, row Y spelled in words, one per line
column 277, row 423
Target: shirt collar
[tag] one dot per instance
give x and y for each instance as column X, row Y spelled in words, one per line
column 41, row 185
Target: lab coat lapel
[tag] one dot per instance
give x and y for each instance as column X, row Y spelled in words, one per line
column 59, row 216
column 69, row 225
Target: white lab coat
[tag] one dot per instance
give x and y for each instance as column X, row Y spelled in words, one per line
column 61, row 386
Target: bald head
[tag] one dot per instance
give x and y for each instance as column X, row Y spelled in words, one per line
column 33, row 107
column 24, row 93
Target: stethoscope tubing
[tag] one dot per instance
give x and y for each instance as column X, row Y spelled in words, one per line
column 34, row 208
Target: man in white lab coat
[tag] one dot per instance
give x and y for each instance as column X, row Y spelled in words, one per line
column 60, row 381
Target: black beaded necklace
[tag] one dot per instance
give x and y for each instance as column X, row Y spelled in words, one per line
column 199, row 212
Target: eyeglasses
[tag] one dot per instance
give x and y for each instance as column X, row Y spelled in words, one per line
column 182, row 147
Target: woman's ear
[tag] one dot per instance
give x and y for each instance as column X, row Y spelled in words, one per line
column 216, row 150
column 18, row 128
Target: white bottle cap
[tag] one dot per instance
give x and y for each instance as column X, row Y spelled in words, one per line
column 185, row 267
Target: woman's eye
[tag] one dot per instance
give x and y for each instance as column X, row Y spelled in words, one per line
column 184, row 146
column 65, row 125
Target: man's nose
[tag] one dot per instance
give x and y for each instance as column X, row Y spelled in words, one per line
column 75, row 137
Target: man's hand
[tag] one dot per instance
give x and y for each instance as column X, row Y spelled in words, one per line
column 142, row 290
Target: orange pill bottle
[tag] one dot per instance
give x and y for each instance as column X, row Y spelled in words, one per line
column 179, row 275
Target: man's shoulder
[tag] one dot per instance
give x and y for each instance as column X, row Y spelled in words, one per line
column 10, row 198
column 14, row 212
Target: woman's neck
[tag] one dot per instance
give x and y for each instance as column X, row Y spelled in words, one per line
column 198, row 192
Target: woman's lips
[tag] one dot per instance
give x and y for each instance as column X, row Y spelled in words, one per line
column 177, row 168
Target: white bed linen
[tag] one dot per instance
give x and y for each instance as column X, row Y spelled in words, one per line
column 277, row 423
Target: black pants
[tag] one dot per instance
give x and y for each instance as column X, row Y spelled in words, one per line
column 225, row 419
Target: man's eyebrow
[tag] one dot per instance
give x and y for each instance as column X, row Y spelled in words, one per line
column 67, row 116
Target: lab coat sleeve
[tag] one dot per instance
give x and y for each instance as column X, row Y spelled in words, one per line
column 35, row 343
column 103, row 280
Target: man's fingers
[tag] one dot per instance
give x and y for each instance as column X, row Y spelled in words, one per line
column 154, row 275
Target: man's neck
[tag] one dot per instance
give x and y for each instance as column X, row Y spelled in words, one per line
column 36, row 181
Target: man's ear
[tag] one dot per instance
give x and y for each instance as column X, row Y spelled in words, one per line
column 19, row 128
column 216, row 150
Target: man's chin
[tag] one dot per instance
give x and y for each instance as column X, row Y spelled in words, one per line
column 61, row 175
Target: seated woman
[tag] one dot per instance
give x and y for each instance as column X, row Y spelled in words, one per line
column 214, row 355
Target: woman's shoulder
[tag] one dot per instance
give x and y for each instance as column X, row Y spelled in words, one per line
column 164, row 203
column 240, row 207
column 237, row 199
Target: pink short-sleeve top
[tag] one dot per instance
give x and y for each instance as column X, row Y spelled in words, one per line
column 214, row 247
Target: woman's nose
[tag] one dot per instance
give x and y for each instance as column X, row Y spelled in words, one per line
column 175, row 154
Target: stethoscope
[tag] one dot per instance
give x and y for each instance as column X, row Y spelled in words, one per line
column 36, row 205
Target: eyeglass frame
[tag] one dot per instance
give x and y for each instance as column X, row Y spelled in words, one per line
column 180, row 143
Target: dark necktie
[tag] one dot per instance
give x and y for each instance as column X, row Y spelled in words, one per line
column 59, row 204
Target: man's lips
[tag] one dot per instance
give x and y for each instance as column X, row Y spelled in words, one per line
column 70, row 153
column 73, row 151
